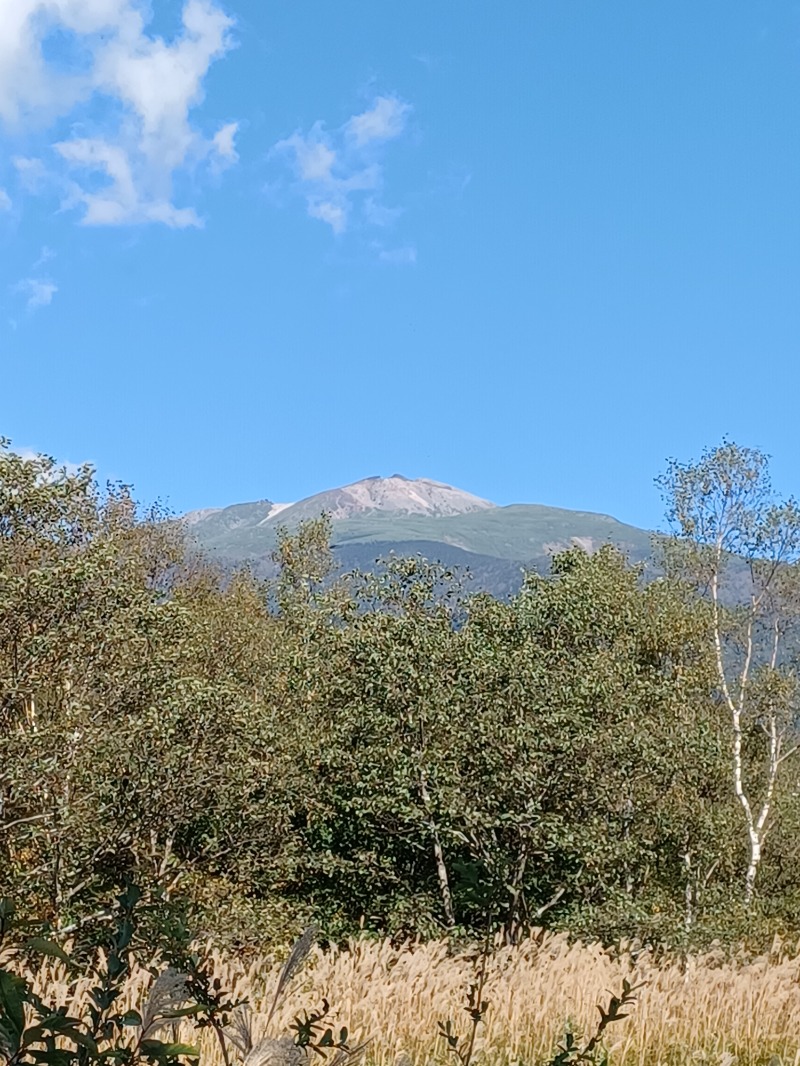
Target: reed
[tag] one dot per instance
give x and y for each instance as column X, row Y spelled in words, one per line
column 705, row 1009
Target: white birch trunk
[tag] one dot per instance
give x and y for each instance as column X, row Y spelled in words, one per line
column 756, row 826
column 438, row 855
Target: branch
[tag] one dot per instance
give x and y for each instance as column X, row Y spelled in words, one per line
column 710, row 873
column 788, row 754
column 24, row 821
column 723, row 680
column 748, row 659
column 550, row 903
column 98, row 916
column 775, row 640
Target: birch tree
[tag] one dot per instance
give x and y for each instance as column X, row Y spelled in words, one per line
column 740, row 545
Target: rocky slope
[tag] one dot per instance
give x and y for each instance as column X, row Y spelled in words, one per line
column 395, row 495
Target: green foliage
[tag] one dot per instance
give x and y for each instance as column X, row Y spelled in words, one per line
column 727, row 518
column 312, row 1034
column 33, row 1031
column 572, row 1052
column 380, row 751
column 463, row 1047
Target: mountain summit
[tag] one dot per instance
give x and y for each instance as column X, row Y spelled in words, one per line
column 417, row 516
column 395, row 495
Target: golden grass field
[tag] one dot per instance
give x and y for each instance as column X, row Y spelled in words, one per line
column 711, row 1010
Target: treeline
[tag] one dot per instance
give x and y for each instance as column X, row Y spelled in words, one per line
column 388, row 751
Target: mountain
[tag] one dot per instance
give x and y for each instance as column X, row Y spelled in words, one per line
column 378, row 515
column 396, row 495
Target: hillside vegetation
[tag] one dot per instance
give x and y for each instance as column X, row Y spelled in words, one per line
column 385, row 753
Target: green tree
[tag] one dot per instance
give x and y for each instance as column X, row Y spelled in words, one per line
column 125, row 749
column 740, row 545
column 613, row 676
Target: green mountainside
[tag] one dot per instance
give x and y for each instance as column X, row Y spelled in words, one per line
column 379, row 516
column 518, row 532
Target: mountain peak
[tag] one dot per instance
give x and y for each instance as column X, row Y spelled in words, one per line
column 397, row 495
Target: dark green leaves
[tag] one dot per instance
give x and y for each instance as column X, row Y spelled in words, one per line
column 13, row 992
column 312, row 1034
column 49, row 948
column 102, row 1035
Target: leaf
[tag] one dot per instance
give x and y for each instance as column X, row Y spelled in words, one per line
column 52, row 1057
column 60, row 1025
column 158, row 1049
column 115, row 1054
column 182, row 1049
column 49, row 948
column 13, row 991
column 185, row 1012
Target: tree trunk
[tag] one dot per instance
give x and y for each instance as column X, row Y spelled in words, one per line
column 438, row 855
column 688, row 914
column 444, row 883
column 752, row 867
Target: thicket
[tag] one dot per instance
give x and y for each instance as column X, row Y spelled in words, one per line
column 387, row 751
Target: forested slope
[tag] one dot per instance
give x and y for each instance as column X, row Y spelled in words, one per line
column 381, row 751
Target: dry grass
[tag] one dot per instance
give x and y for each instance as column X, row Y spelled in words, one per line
column 711, row 1011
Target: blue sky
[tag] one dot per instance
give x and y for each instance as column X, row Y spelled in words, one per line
column 254, row 249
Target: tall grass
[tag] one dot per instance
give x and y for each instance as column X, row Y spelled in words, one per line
column 706, row 1009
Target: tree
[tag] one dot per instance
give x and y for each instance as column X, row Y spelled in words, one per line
column 613, row 674
column 384, row 750
column 546, row 759
column 367, row 666
column 740, row 545
column 127, row 723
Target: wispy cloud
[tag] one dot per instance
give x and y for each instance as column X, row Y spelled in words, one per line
column 404, row 256
column 378, row 214
column 45, row 256
column 5, row 200
column 37, row 292
column 130, row 98
column 31, row 173
column 339, row 172
column 335, row 214
column 385, row 120
column 222, row 148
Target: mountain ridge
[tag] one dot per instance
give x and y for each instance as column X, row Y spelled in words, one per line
column 376, row 516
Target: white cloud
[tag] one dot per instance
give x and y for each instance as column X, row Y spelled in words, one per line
column 224, row 143
column 327, row 211
column 120, row 200
column 331, row 168
column 37, row 292
column 143, row 87
column 62, row 467
column 5, row 201
column 378, row 214
column 385, row 120
column 314, row 158
column 45, row 256
column 405, row 256
column 31, row 173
